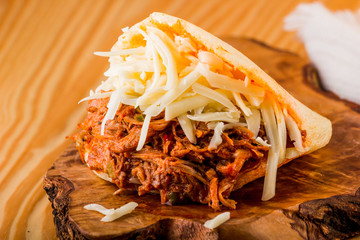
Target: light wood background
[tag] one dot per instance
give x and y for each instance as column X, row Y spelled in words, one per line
column 47, row 65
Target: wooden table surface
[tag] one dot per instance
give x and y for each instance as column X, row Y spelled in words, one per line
column 47, row 65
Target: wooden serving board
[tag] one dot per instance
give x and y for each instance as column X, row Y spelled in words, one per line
column 294, row 213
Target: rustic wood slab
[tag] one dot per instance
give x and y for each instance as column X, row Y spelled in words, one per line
column 294, row 212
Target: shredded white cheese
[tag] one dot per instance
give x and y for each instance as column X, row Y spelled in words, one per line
column 254, row 101
column 184, row 105
column 253, row 121
column 262, row 142
column 188, row 128
column 112, row 214
column 169, row 62
column 270, row 175
column 103, row 176
column 130, row 66
column 273, row 155
column 99, row 208
column 216, row 140
column 119, row 212
column 144, row 131
column 241, row 104
column 214, row 95
column 246, row 81
column 232, row 125
column 217, row 221
column 294, row 132
column 96, row 96
column 217, row 80
column 112, row 106
column 216, row 116
column 281, row 132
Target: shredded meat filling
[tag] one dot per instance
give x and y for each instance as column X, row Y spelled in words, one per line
column 168, row 163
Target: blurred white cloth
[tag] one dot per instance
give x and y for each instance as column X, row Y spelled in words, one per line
column 332, row 41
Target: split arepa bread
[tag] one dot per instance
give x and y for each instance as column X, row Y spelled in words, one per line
column 186, row 115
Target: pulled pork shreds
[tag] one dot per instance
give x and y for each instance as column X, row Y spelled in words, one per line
column 169, row 162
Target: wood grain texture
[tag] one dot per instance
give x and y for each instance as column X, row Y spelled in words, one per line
column 334, row 169
column 68, row 197
column 337, row 217
column 47, row 65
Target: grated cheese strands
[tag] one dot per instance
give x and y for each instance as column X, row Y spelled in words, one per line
column 166, row 40
column 184, row 105
column 272, row 134
column 144, row 131
column 281, row 132
column 138, row 86
column 128, row 101
column 112, row 214
column 96, row 96
column 199, row 110
column 217, row 221
column 125, row 29
column 173, row 94
column 169, row 62
column 240, row 102
column 102, row 176
column 119, row 212
column 262, row 142
column 246, row 81
column 253, row 121
column 231, row 117
column 216, row 140
column 254, row 101
column 270, row 176
column 143, row 75
column 294, row 133
column 156, row 59
column 157, row 67
column 212, row 125
column 233, row 125
column 214, row 95
column 130, row 66
column 217, row 80
column 188, row 128
column 99, row 208
column 150, row 97
column 112, row 106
